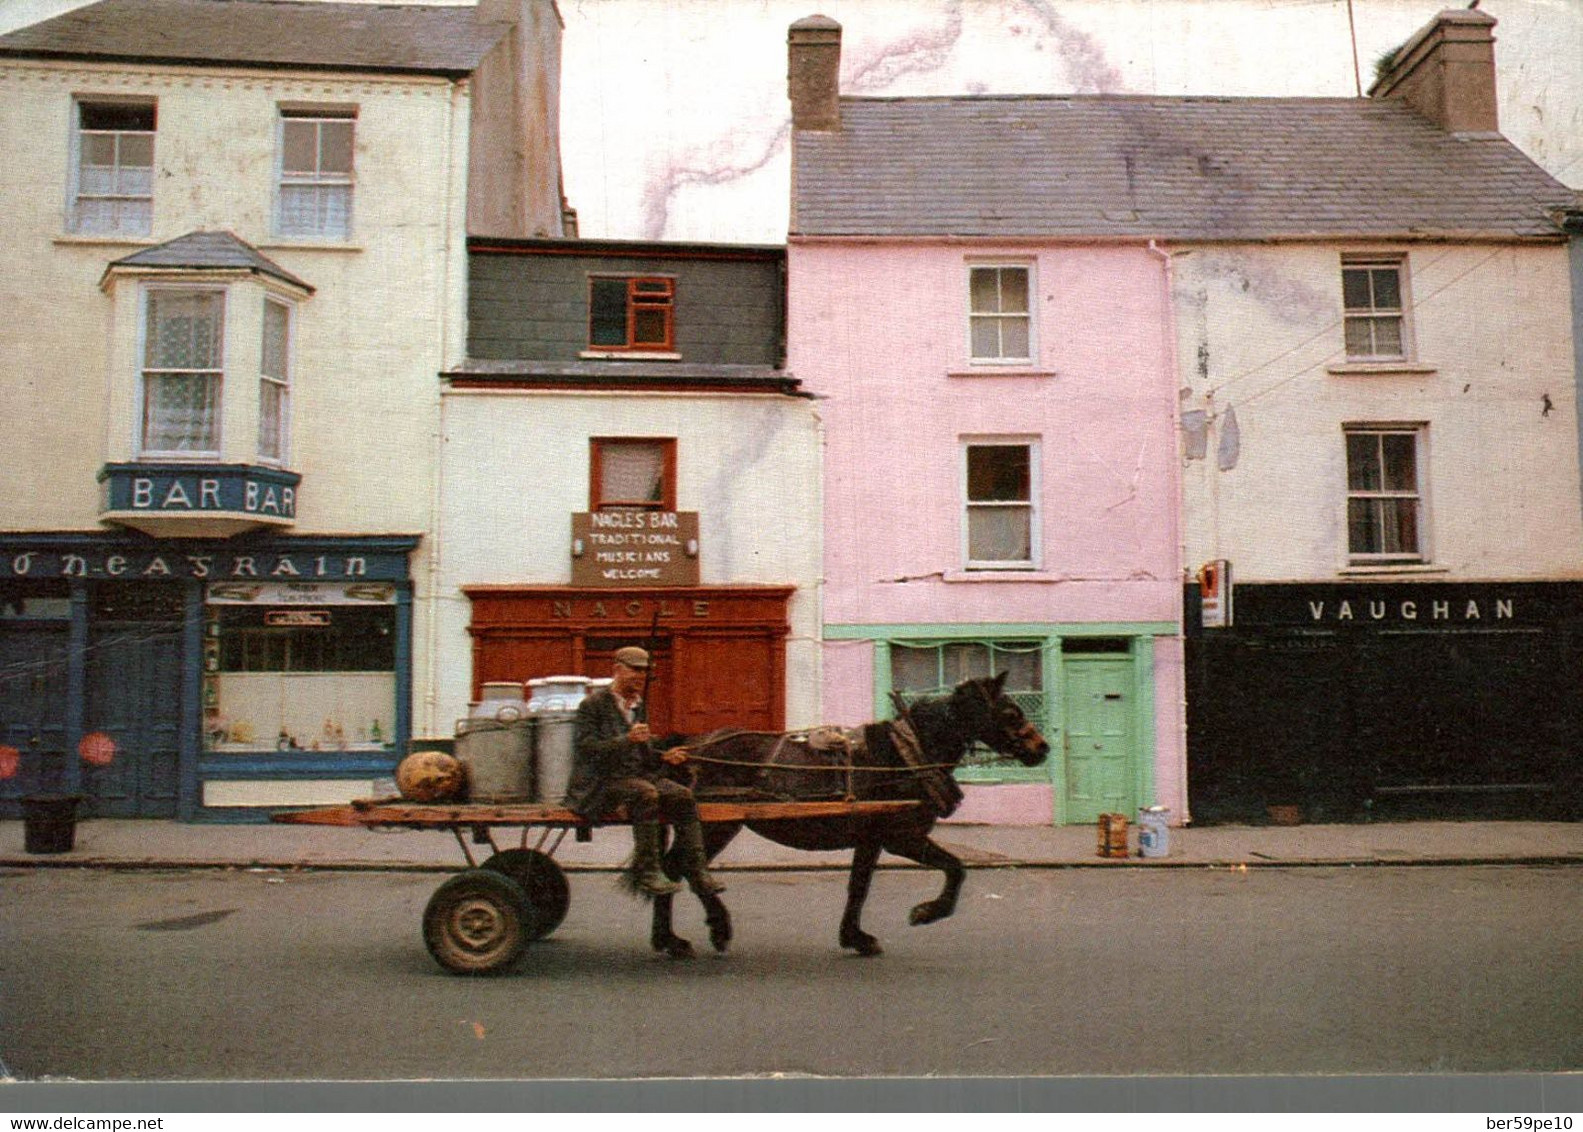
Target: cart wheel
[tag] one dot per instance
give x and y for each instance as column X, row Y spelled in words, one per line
column 543, row 880
column 475, row 922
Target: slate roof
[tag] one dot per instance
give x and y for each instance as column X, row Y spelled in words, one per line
column 1162, row 167
column 385, row 38
column 209, row 251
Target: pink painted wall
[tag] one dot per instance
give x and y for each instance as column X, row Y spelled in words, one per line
column 879, row 332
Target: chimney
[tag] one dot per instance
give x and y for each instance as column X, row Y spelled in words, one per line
column 1446, row 72
column 813, row 73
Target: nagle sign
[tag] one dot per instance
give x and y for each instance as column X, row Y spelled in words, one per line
column 626, row 548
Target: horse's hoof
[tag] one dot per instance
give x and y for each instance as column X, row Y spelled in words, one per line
column 926, row 913
column 720, row 938
column 679, row 949
column 863, row 944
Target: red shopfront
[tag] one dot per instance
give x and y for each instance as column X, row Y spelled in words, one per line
column 719, row 651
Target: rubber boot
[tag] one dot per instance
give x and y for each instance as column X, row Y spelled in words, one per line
column 695, row 865
column 647, row 837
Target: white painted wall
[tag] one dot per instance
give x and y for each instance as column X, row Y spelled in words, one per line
column 515, row 468
column 1258, row 329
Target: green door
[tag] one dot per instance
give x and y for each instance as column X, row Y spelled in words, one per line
column 1100, row 770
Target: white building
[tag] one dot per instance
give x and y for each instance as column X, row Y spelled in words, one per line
column 235, row 261
column 626, row 461
column 1380, row 419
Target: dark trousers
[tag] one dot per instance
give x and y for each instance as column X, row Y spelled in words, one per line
column 650, row 799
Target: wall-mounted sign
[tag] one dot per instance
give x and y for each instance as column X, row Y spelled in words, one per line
column 1398, row 607
column 297, row 618
column 627, row 548
column 169, row 560
column 1214, row 591
column 300, row 593
column 189, row 489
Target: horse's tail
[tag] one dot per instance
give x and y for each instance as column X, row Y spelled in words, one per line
column 627, row 880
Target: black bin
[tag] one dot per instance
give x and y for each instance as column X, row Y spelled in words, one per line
column 49, row 822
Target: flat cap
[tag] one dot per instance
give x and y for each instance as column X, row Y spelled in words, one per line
column 632, row 657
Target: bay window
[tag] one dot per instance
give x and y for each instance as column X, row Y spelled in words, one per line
column 183, row 372
column 274, row 386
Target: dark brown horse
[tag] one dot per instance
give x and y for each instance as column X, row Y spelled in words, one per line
column 903, row 760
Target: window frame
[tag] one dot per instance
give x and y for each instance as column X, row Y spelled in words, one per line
column 75, row 193
column 164, row 455
column 1419, row 432
column 662, row 299
column 282, row 383
column 597, row 446
column 1373, row 261
column 1001, row 316
column 1031, row 505
column 982, row 765
column 317, row 114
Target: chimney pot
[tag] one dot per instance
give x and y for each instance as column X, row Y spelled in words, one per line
column 813, row 73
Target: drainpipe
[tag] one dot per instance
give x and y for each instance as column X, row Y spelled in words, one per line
column 1169, row 282
column 432, row 564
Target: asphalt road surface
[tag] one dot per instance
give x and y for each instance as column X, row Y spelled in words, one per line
column 253, row 975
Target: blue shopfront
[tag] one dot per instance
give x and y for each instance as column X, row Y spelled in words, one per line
column 201, row 680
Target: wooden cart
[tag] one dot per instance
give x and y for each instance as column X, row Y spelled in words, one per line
column 480, row 920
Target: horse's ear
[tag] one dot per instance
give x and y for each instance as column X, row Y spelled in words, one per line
column 997, row 684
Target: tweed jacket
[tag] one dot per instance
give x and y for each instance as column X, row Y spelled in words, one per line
column 601, row 752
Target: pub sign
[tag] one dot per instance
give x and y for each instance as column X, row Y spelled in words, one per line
column 635, row 548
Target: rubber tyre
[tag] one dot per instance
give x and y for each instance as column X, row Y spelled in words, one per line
column 476, row 923
column 544, row 882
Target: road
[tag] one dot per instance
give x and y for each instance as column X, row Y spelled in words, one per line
column 247, row 975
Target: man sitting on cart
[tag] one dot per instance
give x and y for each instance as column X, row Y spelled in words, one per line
column 614, row 764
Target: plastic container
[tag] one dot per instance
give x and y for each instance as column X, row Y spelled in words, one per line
column 498, row 757
column 1154, row 831
column 49, row 823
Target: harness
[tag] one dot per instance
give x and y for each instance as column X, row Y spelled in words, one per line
column 939, row 789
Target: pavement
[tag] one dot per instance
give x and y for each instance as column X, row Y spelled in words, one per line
column 154, row 844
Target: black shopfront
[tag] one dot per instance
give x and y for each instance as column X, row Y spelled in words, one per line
column 1378, row 699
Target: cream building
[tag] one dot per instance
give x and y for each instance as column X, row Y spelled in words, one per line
column 235, row 267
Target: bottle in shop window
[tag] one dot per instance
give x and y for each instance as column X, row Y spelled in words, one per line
column 375, row 734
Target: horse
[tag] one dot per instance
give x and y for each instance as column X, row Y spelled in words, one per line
column 907, row 759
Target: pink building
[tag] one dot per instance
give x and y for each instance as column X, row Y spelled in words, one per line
column 994, row 350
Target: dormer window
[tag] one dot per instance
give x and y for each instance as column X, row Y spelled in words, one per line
column 631, row 314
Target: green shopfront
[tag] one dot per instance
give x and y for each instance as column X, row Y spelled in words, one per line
column 1091, row 689
column 201, row 680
